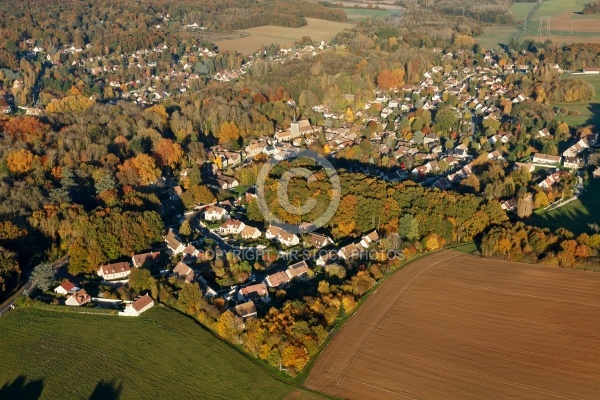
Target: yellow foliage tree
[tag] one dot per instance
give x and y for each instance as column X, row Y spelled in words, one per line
column 228, row 132
column 19, row 162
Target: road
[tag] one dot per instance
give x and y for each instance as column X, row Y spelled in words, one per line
column 28, row 286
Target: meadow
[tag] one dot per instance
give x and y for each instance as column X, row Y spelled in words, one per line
column 575, row 215
column 161, row 354
column 359, row 14
column 250, row 40
column 588, row 111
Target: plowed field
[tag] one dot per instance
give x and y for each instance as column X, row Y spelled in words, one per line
column 452, row 326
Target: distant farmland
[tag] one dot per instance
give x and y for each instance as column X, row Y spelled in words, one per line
column 452, row 326
column 252, row 39
column 567, row 25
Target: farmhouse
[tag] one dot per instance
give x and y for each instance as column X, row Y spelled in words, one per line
column 277, row 279
column 182, row 271
column 591, row 71
column 283, row 237
column 114, row 271
column 173, row 243
column 296, row 270
column 214, row 213
column 78, row 298
column 140, row 305
column 253, row 291
column 65, row 288
column 546, row 159
column 145, row 259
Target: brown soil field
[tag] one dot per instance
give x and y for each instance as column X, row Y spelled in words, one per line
column 453, row 326
column 253, row 39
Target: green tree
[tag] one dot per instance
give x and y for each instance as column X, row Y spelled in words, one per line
column 43, row 276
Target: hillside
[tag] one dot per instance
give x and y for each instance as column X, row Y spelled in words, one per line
column 159, row 355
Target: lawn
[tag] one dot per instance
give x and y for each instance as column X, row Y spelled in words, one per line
column 574, row 216
column 589, row 112
column 359, row 14
column 159, row 355
column 499, row 34
column 520, row 10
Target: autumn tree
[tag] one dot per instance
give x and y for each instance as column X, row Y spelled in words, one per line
column 390, row 79
column 19, row 161
column 168, row 153
column 228, row 132
column 140, row 170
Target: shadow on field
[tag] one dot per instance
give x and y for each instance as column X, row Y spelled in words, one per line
column 107, row 390
column 21, row 389
column 594, row 119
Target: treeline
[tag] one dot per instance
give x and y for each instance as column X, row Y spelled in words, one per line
column 592, row 8
column 567, row 90
column 523, row 243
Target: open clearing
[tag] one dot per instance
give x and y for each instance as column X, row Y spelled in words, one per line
column 160, row 355
column 252, row 39
column 567, row 25
column 358, row 14
column 501, row 34
column 589, row 111
column 453, row 326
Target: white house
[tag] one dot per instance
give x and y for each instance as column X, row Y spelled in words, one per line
column 138, row 306
column 283, row 237
column 253, row 291
column 114, row 271
column 213, row 213
column 231, row 227
column 368, row 239
column 571, row 162
column 246, row 310
column 277, row 279
column 550, row 181
column 577, row 148
column 318, row 241
column 65, row 288
column 78, row 298
column 297, row 269
column 546, row 159
column 173, row 243
column 250, row 232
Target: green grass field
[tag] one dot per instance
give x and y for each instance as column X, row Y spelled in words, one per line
column 589, row 111
column 574, row 216
column 520, row 10
column 160, row 355
column 358, row 14
column 495, row 35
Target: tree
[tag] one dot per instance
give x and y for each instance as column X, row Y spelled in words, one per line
column 393, row 79
column 19, row 161
column 140, row 279
column 140, row 170
column 228, row 132
column 168, row 153
column 185, row 229
column 43, row 276
column 525, row 206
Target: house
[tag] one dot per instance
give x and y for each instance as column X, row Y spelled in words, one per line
column 283, row 237
column 550, row 180
column 223, row 182
column 253, row 291
column 509, row 205
column 318, row 241
column 461, row 151
column 145, row 259
column 352, row 250
column 78, row 298
column 250, row 232
column 297, row 269
column 577, row 148
column 65, row 288
column 277, row 279
column 528, row 166
column 140, row 305
column 214, row 213
column 370, row 238
column 571, row 162
column 182, row 271
column 114, row 271
column 231, row 227
column 591, row 71
column 246, row 310
column 546, row 159
column 173, row 243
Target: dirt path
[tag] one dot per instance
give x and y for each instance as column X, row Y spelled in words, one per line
column 455, row 326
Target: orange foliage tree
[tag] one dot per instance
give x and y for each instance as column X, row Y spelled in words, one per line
column 19, row 161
